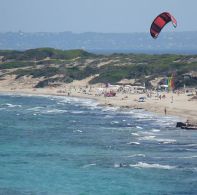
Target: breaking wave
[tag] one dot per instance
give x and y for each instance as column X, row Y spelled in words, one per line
column 152, row 166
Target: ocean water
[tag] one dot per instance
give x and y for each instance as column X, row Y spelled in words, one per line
column 68, row 146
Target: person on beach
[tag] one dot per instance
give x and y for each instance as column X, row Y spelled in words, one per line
column 172, row 99
column 165, row 111
column 187, row 123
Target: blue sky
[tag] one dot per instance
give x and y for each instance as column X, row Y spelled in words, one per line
column 106, row 16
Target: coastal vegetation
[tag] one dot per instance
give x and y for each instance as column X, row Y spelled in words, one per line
column 53, row 65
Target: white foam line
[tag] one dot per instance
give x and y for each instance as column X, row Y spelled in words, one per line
column 78, row 130
column 138, row 127
column 89, row 165
column 155, row 130
column 135, row 134
column 12, row 105
column 155, row 166
column 53, row 111
column 136, row 155
column 191, row 145
column 151, row 137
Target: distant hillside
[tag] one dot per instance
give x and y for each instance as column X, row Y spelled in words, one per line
column 42, row 53
column 168, row 42
column 51, row 67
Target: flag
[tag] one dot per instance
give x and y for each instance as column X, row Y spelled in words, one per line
column 171, row 82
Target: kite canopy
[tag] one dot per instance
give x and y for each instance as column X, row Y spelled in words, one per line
column 159, row 22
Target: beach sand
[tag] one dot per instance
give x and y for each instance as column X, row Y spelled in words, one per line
column 174, row 104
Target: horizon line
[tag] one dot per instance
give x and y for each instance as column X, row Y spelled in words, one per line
column 56, row 32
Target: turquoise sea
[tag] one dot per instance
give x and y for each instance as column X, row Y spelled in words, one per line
column 68, row 146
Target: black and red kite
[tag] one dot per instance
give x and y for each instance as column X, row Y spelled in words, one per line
column 159, row 22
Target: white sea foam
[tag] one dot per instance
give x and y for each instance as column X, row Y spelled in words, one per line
column 92, row 104
column 130, row 112
column 191, row 150
column 159, row 120
column 114, row 122
column 146, row 133
column 191, row 145
column 166, row 141
column 105, row 109
column 144, row 115
column 108, row 116
column 78, row 130
column 166, row 122
column 138, row 127
column 37, row 108
column 116, row 165
column 155, row 130
column 12, row 105
column 150, row 137
column 89, row 165
column 188, row 157
column 135, row 134
column 153, row 138
column 77, row 112
column 136, row 155
column 60, row 103
column 49, row 111
column 155, row 166
column 175, row 157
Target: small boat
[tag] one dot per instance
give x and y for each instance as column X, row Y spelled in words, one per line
column 189, row 127
column 186, row 125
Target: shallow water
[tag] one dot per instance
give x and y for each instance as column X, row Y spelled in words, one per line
column 56, row 145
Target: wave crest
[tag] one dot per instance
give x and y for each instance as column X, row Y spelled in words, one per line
column 155, row 166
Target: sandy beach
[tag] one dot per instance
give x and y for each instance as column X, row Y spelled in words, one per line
column 164, row 103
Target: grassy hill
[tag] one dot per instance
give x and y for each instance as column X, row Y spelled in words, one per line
column 42, row 53
column 55, row 65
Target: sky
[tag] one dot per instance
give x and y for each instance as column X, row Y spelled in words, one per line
column 105, row 16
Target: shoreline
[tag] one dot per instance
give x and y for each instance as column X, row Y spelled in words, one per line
column 180, row 107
